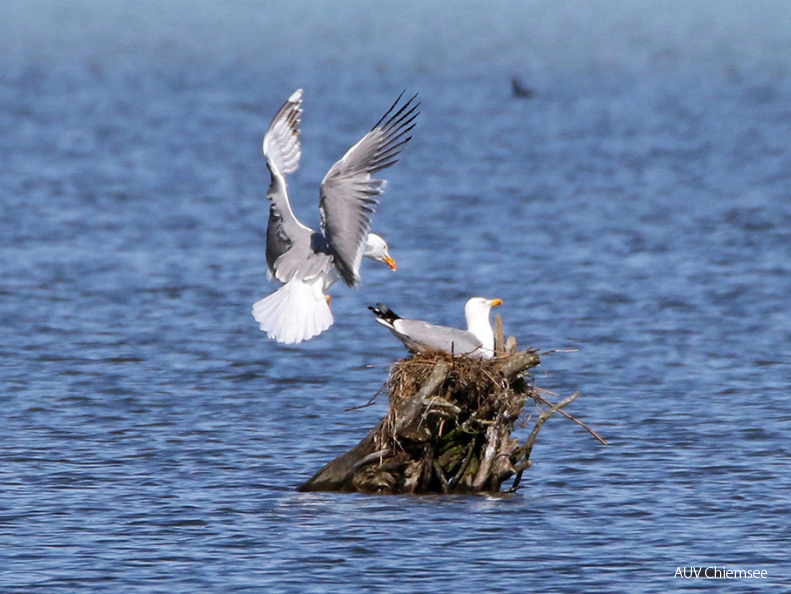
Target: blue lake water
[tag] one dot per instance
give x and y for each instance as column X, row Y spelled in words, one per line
column 636, row 210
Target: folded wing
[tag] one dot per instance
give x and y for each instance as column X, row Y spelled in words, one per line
column 419, row 336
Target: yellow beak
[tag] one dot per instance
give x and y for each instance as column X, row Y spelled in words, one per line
column 391, row 263
column 497, row 302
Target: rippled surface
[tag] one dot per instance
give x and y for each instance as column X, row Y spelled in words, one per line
column 637, row 209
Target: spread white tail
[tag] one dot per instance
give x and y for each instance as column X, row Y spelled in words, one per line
column 297, row 311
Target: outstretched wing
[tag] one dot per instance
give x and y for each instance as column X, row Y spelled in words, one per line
column 281, row 142
column 349, row 192
column 282, row 151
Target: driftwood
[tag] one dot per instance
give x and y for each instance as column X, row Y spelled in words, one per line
column 449, row 427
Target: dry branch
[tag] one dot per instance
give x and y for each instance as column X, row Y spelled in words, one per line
column 449, row 427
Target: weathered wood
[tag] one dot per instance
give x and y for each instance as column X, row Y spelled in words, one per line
column 338, row 474
column 448, row 429
column 499, row 336
column 521, row 457
column 519, row 363
column 409, row 419
column 482, row 475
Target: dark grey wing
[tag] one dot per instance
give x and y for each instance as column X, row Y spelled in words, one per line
column 282, row 151
column 348, row 191
column 420, row 336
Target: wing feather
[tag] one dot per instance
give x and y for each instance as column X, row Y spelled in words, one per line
column 281, row 142
column 348, row 195
column 282, row 150
column 418, row 335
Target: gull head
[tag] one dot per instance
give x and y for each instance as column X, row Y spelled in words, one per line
column 376, row 249
column 478, row 308
column 477, row 313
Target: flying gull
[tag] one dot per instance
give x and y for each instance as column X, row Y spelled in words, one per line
column 476, row 341
column 308, row 262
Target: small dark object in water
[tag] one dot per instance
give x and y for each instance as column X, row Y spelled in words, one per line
column 519, row 90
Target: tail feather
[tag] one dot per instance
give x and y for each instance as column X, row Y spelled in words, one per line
column 384, row 314
column 297, row 311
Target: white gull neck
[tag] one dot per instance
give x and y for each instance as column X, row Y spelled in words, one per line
column 477, row 314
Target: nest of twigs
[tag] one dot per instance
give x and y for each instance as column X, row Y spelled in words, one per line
column 449, row 424
column 472, row 384
column 448, row 428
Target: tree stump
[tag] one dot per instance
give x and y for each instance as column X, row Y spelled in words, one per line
column 448, row 429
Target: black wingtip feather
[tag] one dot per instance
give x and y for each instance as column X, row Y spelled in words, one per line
column 384, row 312
column 397, row 115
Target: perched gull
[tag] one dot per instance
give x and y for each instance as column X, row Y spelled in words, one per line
column 308, row 262
column 476, row 341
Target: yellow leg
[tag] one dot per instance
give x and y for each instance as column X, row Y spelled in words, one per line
column 327, row 297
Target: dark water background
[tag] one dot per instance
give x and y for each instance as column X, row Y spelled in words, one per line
column 637, row 209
